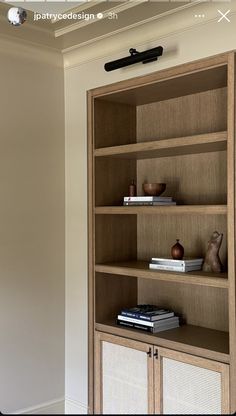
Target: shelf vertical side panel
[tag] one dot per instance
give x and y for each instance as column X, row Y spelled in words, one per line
column 231, row 227
column 91, row 238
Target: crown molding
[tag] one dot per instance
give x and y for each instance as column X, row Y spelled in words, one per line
column 115, row 9
column 169, row 24
column 44, row 45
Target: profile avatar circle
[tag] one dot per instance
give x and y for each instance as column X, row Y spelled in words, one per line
column 16, row 16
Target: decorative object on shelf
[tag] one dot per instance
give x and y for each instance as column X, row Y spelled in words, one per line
column 132, row 189
column 212, row 261
column 177, row 251
column 154, row 189
column 145, row 57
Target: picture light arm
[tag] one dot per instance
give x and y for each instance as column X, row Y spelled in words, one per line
column 145, row 57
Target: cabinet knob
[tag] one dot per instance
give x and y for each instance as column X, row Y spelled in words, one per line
column 156, row 354
column 149, row 352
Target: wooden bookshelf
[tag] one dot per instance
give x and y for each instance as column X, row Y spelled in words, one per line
column 187, row 338
column 202, row 143
column 140, row 269
column 175, row 126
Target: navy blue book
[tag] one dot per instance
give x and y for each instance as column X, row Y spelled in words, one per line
column 147, row 313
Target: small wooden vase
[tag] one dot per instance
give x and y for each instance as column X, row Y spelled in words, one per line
column 132, row 189
column 177, row 251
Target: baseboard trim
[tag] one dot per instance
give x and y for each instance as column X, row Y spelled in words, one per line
column 73, row 407
column 51, row 407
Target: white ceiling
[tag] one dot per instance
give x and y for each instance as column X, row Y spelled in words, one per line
column 47, row 6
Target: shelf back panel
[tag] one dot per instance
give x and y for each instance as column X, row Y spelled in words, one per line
column 113, row 293
column 205, row 112
column 115, row 238
column 114, row 124
column 204, row 306
column 157, row 234
column 112, row 180
column 169, row 86
column 191, row 179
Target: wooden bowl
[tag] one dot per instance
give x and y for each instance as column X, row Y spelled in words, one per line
column 154, row 189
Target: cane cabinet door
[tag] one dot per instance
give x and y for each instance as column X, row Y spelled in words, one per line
column 185, row 384
column 123, row 376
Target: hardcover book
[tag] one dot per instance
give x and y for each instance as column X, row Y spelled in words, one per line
column 148, row 328
column 147, row 198
column 147, row 312
column 184, row 262
column 151, row 324
column 173, row 268
column 148, row 203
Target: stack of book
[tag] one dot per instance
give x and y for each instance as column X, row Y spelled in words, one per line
column 148, row 200
column 183, row 266
column 148, row 318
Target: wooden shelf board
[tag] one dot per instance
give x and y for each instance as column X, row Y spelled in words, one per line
column 167, row 84
column 202, row 143
column 191, row 339
column 164, row 210
column 141, row 269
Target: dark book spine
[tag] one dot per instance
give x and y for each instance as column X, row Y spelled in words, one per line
column 136, row 326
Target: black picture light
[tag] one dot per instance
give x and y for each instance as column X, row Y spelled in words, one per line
column 147, row 56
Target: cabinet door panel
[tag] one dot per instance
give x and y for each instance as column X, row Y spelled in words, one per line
column 124, row 384
column 190, row 385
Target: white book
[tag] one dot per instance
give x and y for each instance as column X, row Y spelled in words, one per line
column 180, row 263
column 183, row 269
column 147, row 198
column 169, row 326
column 141, row 203
column 155, row 324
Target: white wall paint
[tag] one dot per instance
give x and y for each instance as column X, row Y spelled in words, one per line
column 181, row 46
column 31, row 227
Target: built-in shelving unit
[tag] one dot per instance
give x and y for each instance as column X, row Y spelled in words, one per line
column 175, row 126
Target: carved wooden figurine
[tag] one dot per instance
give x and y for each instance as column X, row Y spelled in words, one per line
column 212, row 261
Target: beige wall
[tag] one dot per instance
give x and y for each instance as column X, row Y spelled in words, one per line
column 31, row 227
column 182, row 45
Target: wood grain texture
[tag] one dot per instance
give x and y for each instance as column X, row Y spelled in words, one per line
column 114, row 124
column 231, row 226
column 112, row 180
column 97, row 373
column 185, row 177
column 202, row 143
column 116, row 238
column 141, row 269
column 190, row 82
column 156, row 235
column 202, row 342
column 204, row 306
column 91, row 247
column 113, row 294
column 158, row 376
column 195, row 114
column 163, row 210
column 201, row 65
